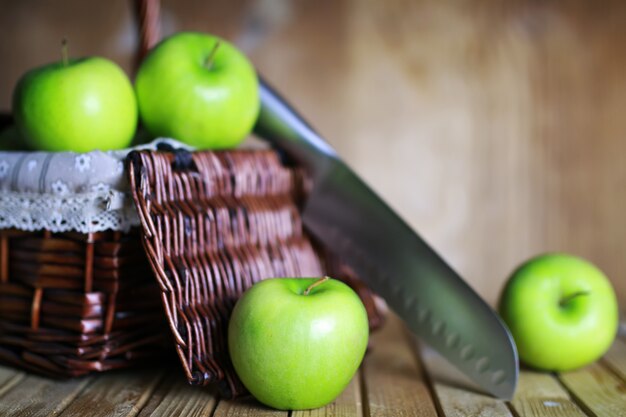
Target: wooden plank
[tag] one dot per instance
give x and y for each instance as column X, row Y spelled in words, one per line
column 348, row 404
column 456, row 395
column 540, row 394
column 120, row 394
column 9, row 377
column 247, row 407
column 175, row 397
column 455, row 402
column 615, row 358
column 393, row 379
column 600, row 391
column 39, row 396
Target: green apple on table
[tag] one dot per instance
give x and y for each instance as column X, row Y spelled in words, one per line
column 561, row 310
column 76, row 105
column 296, row 343
column 199, row 89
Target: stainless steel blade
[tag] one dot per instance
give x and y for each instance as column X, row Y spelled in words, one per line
column 417, row 284
column 353, row 222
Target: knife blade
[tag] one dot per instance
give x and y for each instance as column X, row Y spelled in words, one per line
column 354, row 223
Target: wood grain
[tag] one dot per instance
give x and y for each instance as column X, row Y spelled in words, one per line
column 393, row 379
column 601, row 392
column 456, row 402
column 615, row 358
column 9, row 377
column 175, row 397
column 392, row 384
column 540, row 394
column 348, row 404
column 120, row 394
column 247, row 407
column 38, row 396
column 455, row 394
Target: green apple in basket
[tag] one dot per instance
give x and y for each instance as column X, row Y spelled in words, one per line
column 199, row 89
column 76, row 105
column 561, row 310
column 297, row 342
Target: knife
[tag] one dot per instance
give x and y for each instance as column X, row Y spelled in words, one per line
column 353, row 222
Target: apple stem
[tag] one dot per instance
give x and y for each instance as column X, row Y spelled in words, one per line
column 566, row 300
column 208, row 63
column 315, row 284
column 64, row 53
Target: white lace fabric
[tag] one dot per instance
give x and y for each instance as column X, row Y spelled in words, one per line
column 80, row 212
column 66, row 191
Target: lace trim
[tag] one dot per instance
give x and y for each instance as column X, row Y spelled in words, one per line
column 68, row 191
column 89, row 212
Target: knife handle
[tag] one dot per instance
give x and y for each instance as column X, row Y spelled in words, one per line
column 285, row 129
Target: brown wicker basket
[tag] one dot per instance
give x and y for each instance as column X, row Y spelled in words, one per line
column 212, row 224
column 72, row 303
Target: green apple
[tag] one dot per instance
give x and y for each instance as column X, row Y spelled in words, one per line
column 199, row 89
column 561, row 310
column 297, row 342
column 76, row 105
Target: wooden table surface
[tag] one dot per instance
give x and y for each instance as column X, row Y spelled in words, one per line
column 397, row 379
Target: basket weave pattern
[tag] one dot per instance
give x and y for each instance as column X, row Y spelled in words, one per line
column 212, row 224
column 72, row 303
column 211, row 229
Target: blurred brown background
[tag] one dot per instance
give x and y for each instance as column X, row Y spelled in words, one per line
column 497, row 129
